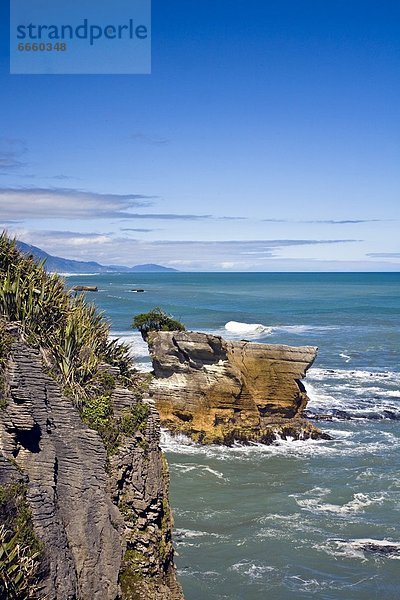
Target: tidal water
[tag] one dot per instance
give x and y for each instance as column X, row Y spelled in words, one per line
column 290, row 520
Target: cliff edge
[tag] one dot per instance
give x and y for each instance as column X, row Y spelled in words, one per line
column 219, row 391
column 100, row 521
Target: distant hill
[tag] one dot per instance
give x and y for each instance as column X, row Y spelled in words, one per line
column 64, row 265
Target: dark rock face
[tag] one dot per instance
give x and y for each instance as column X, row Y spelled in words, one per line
column 90, row 515
column 139, row 485
column 220, row 391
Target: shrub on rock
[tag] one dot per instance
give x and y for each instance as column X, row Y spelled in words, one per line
column 156, row 320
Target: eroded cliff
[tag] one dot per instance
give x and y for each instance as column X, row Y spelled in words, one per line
column 103, row 522
column 218, row 391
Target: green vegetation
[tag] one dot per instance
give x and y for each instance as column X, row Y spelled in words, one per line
column 156, row 320
column 131, row 574
column 135, row 419
column 17, row 568
column 97, row 413
column 72, row 334
column 20, row 550
column 74, row 339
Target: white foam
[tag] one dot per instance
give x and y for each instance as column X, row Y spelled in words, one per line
column 296, row 583
column 252, row 570
column 287, row 526
column 138, row 348
column 358, row 549
column 354, row 375
column 319, row 398
column 207, row 576
column 257, row 571
column 359, row 394
column 217, row 474
column 192, row 533
column 75, row 274
column 200, row 470
column 314, row 503
column 239, row 328
column 184, row 468
column 289, row 449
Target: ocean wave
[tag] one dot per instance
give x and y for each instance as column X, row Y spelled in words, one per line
column 347, row 394
column 344, row 444
column 197, row 539
column 182, row 444
column 259, row 330
column 288, row 527
column 258, row 572
column 192, row 533
column 138, row 348
column 389, row 480
column 206, row 514
column 297, row 583
column 199, row 469
column 254, row 329
column 354, row 375
column 313, row 501
column 255, row 570
column 77, row 274
column 362, row 548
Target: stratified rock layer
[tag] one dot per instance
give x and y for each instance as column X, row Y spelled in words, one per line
column 105, row 526
column 218, row 391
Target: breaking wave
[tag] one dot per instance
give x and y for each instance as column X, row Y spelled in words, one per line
column 255, row 329
column 314, row 501
column 353, row 394
column 362, row 548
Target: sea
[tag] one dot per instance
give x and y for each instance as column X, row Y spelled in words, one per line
column 298, row 519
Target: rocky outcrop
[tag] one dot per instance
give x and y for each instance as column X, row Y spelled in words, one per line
column 218, row 391
column 139, row 486
column 104, row 522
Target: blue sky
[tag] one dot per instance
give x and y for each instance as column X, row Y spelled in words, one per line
column 267, row 138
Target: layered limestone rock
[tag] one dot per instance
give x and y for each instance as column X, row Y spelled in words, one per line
column 218, row 391
column 104, row 522
column 139, row 486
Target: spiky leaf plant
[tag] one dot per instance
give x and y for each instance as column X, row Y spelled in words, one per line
column 18, row 568
column 72, row 334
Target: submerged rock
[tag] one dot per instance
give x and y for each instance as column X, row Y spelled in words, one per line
column 378, row 547
column 219, row 391
column 85, row 288
column 385, row 548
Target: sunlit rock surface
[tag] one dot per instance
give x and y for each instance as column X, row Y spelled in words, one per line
column 219, row 391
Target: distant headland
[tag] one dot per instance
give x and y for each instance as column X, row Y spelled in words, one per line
column 64, row 265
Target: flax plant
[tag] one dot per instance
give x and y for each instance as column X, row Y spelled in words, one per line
column 72, row 334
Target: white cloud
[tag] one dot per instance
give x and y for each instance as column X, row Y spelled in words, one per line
column 106, row 248
column 97, row 240
column 66, row 203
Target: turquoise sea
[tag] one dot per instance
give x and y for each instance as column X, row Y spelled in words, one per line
column 290, row 520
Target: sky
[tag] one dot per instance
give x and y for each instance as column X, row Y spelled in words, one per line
column 266, row 138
